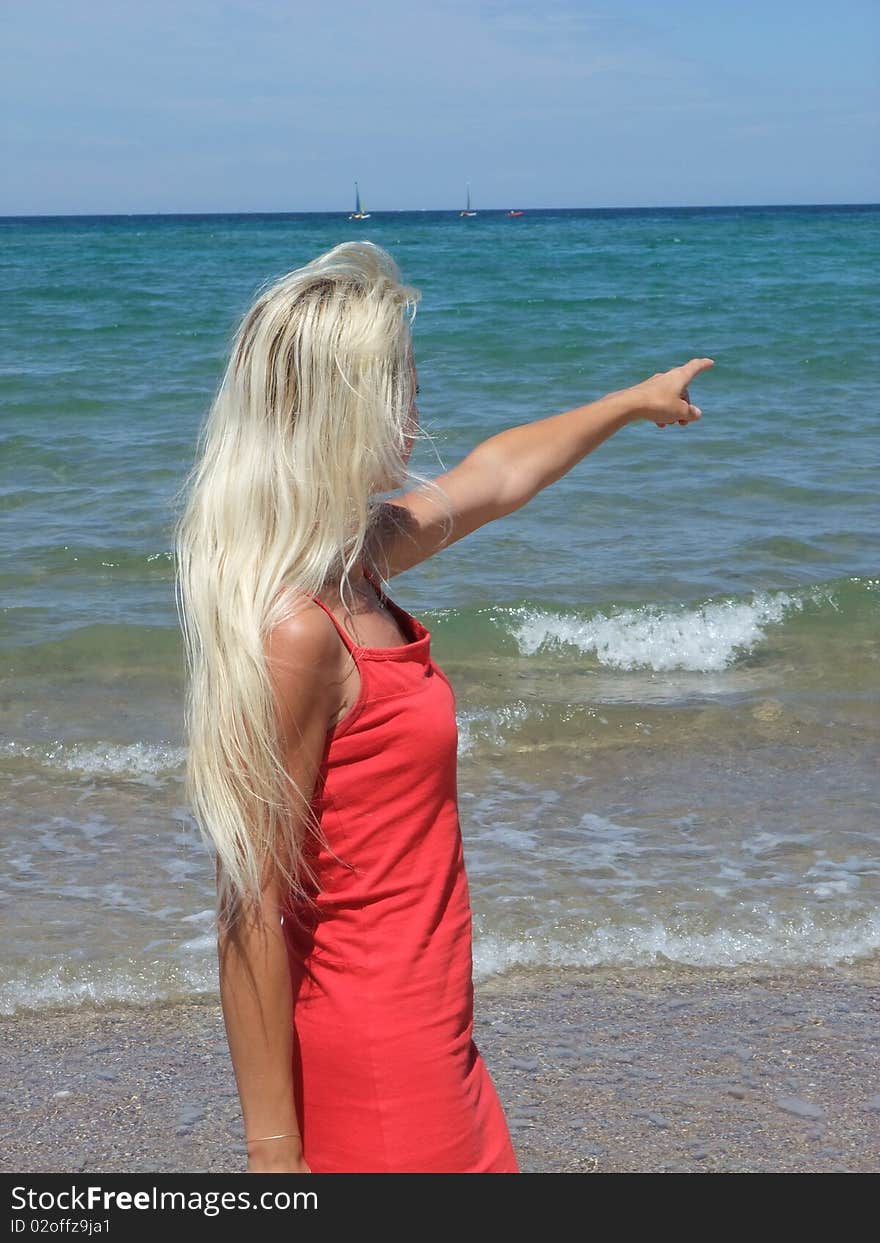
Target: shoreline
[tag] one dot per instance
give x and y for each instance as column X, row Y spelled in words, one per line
column 665, row 1069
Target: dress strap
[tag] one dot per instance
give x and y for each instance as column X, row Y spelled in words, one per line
column 346, row 639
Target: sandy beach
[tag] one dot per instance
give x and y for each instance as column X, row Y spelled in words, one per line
column 670, row 1070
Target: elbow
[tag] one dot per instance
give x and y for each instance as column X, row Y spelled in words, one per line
column 511, row 488
column 513, row 493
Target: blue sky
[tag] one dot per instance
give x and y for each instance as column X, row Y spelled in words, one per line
column 252, row 105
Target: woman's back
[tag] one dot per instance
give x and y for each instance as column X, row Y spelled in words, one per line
column 388, row 1077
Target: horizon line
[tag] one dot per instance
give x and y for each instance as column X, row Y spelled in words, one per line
column 410, row 211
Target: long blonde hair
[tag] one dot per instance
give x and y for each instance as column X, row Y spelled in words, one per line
column 310, row 423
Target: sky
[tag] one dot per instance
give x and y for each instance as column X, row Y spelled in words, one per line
column 279, row 105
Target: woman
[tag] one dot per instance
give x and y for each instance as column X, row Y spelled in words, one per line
column 322, row 734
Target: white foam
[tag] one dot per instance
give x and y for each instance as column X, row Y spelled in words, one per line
column 706, row 638
column 780, row 943
column 191, row 971
column 134, row 761
column 138, row 984
column 486, row 725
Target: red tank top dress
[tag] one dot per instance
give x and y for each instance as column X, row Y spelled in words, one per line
column 387, row 1076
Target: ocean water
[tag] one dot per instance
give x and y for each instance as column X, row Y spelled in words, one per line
column 666, row 664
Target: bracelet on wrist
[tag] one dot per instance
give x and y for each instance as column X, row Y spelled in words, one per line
column 260, row 1140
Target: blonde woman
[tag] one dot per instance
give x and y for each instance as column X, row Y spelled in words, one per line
column 322, row 734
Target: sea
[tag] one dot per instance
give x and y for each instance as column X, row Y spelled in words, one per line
column 666, row 664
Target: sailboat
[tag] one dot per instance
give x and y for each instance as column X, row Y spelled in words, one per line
column 467, row 211
column 358, row 213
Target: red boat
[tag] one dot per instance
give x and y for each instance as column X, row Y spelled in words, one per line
column 514, row 213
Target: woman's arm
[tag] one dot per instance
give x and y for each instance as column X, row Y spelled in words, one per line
column 529, row 458
column 505, row 471
column 257, row 1002
column 255, row 988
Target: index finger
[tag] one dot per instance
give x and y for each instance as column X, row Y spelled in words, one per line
column 695, row 366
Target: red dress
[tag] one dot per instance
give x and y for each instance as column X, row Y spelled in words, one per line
column 387, row 1076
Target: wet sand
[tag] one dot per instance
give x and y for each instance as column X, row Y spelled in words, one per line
column 599, row 1071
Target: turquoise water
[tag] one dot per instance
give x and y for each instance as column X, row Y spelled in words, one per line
column 666, row 664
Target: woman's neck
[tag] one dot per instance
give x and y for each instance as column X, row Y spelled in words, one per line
column 358, row 592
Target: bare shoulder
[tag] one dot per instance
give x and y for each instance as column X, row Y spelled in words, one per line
column 304, row 656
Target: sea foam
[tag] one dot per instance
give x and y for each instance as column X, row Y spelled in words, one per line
column 705, row 638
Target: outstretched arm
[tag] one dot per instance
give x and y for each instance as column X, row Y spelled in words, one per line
column 504, row 472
